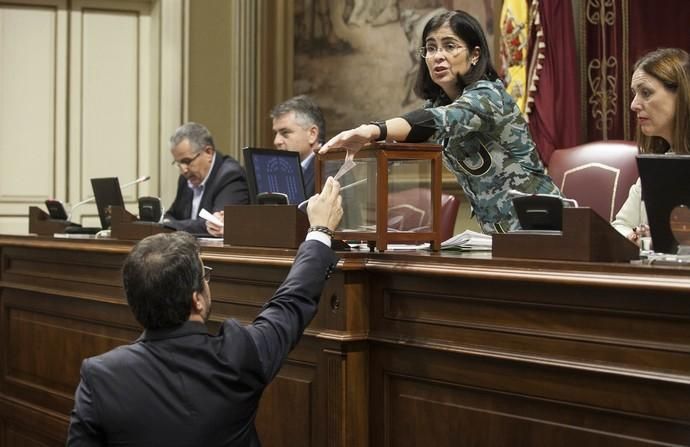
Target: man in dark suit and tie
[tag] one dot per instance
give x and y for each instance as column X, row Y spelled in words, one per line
column 177, row 385
column 208, row 180
column 299, row 126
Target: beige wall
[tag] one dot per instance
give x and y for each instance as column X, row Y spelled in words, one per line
column 209, row 68
column 239, row 67
column 83, row 96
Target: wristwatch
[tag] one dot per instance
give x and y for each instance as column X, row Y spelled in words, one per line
column 383, row 130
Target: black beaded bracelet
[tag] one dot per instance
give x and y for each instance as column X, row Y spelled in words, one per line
column 322, row 229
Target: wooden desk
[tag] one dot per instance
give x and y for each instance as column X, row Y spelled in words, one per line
column 407, row 349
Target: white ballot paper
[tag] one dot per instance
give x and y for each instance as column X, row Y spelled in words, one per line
column 210, row 217
column 348, row 164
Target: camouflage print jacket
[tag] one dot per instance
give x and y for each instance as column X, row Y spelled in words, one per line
column 488, row 147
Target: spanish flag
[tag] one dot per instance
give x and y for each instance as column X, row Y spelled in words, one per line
column 514, row 46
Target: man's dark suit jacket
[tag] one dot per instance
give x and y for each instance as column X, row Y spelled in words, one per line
column 308, row 176
column 226, row 185
column 184, row 387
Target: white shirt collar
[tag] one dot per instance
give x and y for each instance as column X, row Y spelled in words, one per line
column 304, row 163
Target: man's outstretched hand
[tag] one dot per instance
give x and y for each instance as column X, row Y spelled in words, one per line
column 325, row 209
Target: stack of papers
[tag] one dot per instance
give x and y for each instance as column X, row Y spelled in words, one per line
column 468, row 240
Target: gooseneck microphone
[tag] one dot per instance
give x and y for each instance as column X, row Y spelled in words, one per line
column 141, row 179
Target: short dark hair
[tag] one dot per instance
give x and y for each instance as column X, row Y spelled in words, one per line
column 671, row 67
column 470, row 31
column 198, row 135
column 307, row 113
column 160, row 275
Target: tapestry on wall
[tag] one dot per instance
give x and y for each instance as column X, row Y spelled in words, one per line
column 358, row 58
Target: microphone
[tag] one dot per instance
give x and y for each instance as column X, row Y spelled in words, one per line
column 141, row 179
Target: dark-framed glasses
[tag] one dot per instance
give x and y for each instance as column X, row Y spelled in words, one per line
column 186, row 161
column 207, row 273
column 430, row 50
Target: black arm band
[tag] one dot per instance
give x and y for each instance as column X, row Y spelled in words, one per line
column 383, row 130
column 422, row 125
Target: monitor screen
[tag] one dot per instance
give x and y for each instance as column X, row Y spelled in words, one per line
column 665, row 185
column 107, row 193
column 274, row 171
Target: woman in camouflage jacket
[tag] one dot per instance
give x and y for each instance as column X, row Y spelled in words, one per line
column 486, row 141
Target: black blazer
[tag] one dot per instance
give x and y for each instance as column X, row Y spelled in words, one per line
column 184, row 387
column 308, row 176
column 226, row 185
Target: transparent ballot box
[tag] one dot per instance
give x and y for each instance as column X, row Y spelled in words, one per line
column 392, row 194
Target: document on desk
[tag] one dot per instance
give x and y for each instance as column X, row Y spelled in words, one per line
column 468, row 240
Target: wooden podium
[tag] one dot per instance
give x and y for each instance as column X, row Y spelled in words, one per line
column 125, row 226
column 276, row 226
column 40, row 223
column 586, row 236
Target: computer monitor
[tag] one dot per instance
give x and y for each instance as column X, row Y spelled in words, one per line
column 107, row 193
column 665, row 184
column 274, row 171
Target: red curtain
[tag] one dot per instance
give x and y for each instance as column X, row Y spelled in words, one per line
column 616, row 33
column 554, row 110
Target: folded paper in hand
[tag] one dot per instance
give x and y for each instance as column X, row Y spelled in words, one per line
column 210, row 217
column 468, row 240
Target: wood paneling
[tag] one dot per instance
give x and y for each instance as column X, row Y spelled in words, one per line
column 426, row 398
column 570, row 322
column 295, row 384
column 22, row 424
column 406, row 350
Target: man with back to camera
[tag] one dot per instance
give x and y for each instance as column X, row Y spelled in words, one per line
column 298, row 126
column 208, row 180
column 177, row 385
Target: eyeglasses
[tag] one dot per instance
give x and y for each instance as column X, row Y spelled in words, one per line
column 186, row 161
column 429, row 50
column 207, row 273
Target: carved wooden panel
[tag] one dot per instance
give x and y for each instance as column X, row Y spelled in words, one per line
column 45, row 339
column 441, row 398
column 65, row 272
column 16, row 435
column 612, row 326
column 285, row 417
column 21, row 424
column 406, row 349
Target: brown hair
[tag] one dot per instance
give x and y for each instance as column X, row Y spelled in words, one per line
column 671, row 66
